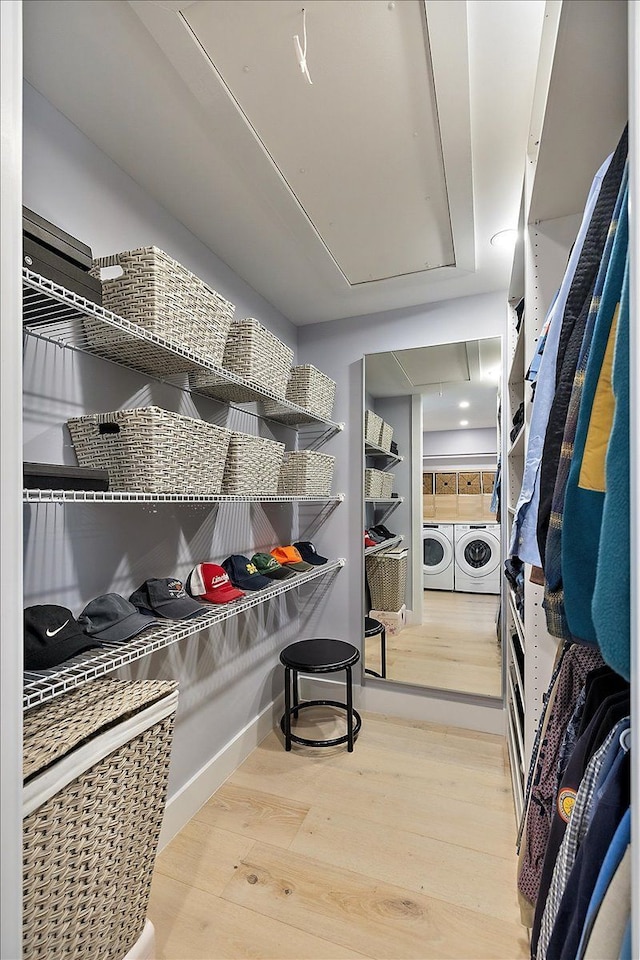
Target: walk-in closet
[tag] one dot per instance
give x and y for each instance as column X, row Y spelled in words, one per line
column 319, row 498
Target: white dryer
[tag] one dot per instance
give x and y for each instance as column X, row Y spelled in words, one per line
column 437, row 556
column 477, row 557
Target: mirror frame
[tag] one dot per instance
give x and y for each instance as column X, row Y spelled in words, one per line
column 442, row 693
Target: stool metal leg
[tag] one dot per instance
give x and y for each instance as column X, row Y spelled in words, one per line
column 383, row 653
column 296, row 699
column 349, row 710
column 287, row 708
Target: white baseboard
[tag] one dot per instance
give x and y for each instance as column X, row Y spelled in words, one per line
column 194, row 794
column 410, row 705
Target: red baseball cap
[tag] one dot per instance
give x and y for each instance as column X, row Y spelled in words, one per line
column 208, row 581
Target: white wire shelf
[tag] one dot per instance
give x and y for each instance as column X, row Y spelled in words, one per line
column 58, row 315
column 385, row 545
column 45, row 685
column 384, row 499
column 371, row 450
column 519, row 683
column 517, row 619
column 114, row 496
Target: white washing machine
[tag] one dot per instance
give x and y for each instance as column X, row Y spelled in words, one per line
column 477, row 557
column 437, row 556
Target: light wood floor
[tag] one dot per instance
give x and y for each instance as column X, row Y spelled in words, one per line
column 402, row 849
column 455, row 648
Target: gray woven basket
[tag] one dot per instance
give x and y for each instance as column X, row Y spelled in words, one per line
column 165, row 298
column 372, row 427
column 386, row 436
column 306, row 473
column 89, row 849
column 387, row 580
column 386, row 484
column 309, row 388
column 253, row 353
column 150, row 450
column 252, row 466
column 372, row 482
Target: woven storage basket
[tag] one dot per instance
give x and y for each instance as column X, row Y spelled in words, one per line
column 372, row 482
column 372, row 427
column 150, row 450
column 253, row 466
column 306, row 473
column 96, row 764
column 253, row 353
column 386, row 436
column 386, row 485
column 488, row 479
column 309, row 388
column 469, row 483
column 160, row 295
column 387, row 579
column 446, row 483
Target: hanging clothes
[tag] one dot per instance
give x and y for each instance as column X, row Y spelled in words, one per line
column 572, row 332
column 524, row 543
column 590, row 373
column 602, row 893
column 612, row 590
column 576, row 663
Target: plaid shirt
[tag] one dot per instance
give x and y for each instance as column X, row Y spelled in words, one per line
column 574, row 835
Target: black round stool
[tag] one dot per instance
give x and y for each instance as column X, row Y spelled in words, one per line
column 371, row 629
column 318, row 656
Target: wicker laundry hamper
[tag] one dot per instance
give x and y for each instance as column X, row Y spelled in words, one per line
column 168, row 301
column 253, row 466
column 309, row 388
column 96, row 762
column 372, row 428
column 387, row 579
column 253, row 353
column 306, row 473
column 151, row 450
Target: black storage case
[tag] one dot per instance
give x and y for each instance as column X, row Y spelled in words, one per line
column 56, row 255
column 57, row 476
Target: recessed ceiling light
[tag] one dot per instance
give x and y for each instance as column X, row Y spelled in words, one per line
column 463, row 404
column 504, row 239
column 464, row 423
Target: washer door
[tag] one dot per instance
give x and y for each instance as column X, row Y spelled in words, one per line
column 437, row 551
column 478, row 553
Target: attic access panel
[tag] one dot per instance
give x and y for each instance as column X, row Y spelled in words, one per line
column 359, row 148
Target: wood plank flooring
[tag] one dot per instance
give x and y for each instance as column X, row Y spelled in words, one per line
column 455, row 647
column 402, row 849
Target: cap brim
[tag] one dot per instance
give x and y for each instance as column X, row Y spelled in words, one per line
column 65, row 650
column 224, row 595
column 179, row 609
column 256, row 582
column 281, row 574
column 301, row 566
column 316, row 560
column 125, row 629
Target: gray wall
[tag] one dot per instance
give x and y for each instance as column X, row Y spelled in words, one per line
column 75, row 552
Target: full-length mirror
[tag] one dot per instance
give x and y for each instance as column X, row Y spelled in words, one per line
column 431, row 517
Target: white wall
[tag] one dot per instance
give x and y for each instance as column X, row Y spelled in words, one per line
column 338, row 349
column 460, row 449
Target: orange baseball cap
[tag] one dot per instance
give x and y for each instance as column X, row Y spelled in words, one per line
column 290, row 557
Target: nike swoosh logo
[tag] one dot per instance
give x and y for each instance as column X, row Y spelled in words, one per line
column 52, row 633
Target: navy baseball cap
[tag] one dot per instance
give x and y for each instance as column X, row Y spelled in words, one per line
column 309, row 553
column 244, row 574
column 52, row 635
column 166, row 598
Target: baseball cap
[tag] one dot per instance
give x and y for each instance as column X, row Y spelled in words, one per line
column 209, row 581
column 244, row 574
column 289, row 557
column 268, row 566
column 165, row 598
column 309, row 553
column 52, row 635
column 113, row 618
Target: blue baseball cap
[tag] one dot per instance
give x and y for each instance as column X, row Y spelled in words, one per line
column 243, row 573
